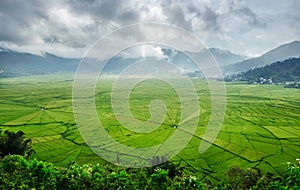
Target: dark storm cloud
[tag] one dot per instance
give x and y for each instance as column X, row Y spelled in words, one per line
column 111, row 10
column 209, row 17
column 9, row 30
column 240, row 8
column 184, row 14
column 17, row 16
column 175, row 14
column 24, row 12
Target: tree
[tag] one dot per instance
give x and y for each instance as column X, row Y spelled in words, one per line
column 14, row 143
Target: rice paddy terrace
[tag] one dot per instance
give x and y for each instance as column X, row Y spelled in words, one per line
column 261, row 127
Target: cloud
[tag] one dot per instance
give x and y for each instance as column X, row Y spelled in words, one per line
column 24, row 13
column 244, row 12
column 17, row 19
column 69, row 27
column 143, row 51
column 117, row 11
column 175, row 14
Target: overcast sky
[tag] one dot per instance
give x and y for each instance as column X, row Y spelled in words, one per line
column 68, row 27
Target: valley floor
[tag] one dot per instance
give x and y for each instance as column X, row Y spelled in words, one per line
column 261, row 127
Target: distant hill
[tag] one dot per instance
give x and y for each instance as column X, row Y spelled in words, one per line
column 278, row 54
column 13, row 64
column 278, row 72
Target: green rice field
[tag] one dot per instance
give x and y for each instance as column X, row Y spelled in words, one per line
column 261, row 127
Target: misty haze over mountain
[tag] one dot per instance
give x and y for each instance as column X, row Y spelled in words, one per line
column 21, row 64
column 14, row 64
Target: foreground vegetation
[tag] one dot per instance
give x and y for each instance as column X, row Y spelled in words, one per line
column 261, row 129
column 14, row 143
column 19, row 173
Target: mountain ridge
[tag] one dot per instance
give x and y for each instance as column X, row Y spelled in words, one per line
column 14, row 64
column 282, row 52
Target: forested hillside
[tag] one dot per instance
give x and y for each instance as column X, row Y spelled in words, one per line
column 278, row 72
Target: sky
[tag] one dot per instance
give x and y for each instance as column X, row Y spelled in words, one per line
column 68, row 28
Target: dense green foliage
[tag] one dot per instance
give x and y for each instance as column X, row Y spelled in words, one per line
column 19, row 173
column 14, row 143
column 278, row 72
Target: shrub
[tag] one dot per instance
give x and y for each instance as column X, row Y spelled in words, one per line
column 292, row 177
column 18, row 173
column 14, row 143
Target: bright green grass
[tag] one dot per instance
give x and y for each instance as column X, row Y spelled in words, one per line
column 261, row 126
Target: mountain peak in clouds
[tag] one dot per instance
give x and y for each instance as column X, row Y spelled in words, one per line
column 222, row 57
column 226, row 57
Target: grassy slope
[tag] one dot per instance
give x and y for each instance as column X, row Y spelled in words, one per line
column 261, row 127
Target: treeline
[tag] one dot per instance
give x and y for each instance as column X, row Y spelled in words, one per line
column 18, row 173
column 278, row 72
